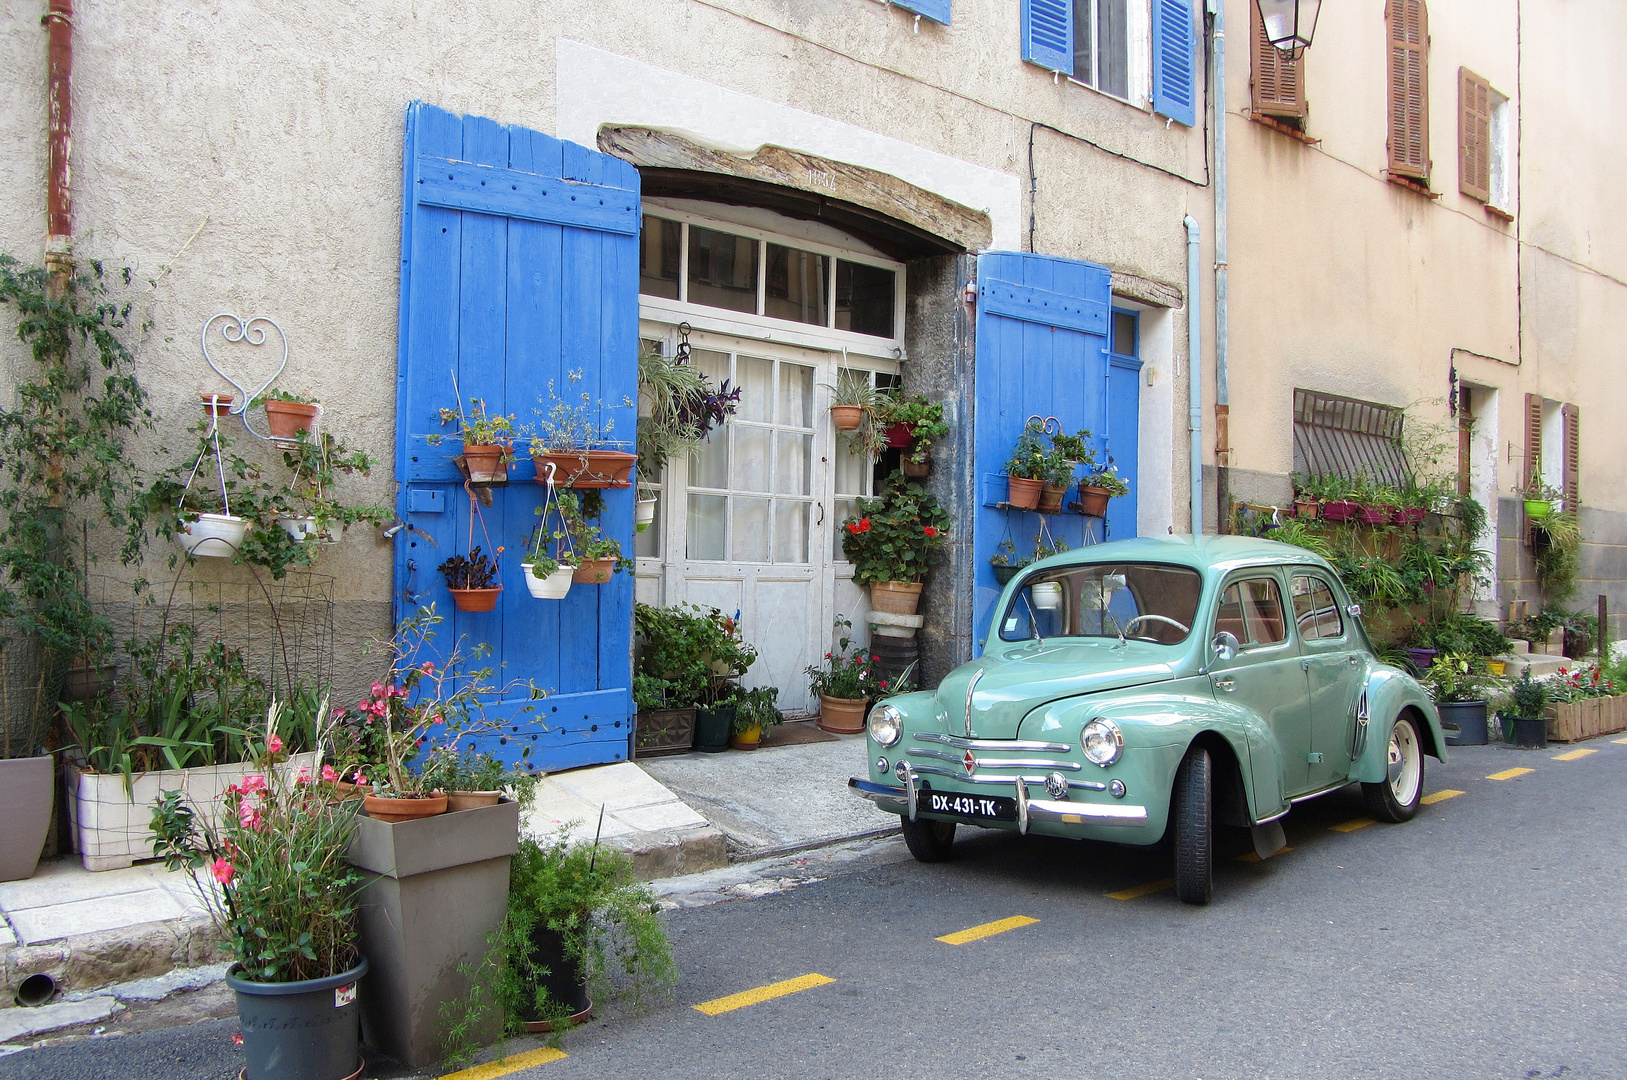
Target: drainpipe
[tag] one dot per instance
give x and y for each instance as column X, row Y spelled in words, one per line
column 59, row 143
column 1223, row 449
column 1194, row 367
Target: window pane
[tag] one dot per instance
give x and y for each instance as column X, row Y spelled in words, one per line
column 706, row 518
column 795, row 285
column 1126, row 333
column 709, row 467
column 845, row 508
column 1113, row 48
column 864, row 298
column 796, row 395
column 658, row 253
column 1315, row 610
column 647, row 544
column 722, row 270
column 750, row 542
column 1262, row 611
column 1083, row 54
column 794, row 452
column 755, row 377
column 790, row 532
column 750, row 458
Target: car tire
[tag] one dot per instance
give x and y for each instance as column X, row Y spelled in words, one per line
column 929, row 841
column 1194, row 828
column 1395, row 798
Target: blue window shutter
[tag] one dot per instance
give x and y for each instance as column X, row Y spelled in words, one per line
column 1174, row 67
column 936, row 10
column 1048, row 34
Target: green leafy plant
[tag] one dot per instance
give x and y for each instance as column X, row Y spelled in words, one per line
column 925, row 420
column 1456, row 632
column 1459, row 677
column 276, row 393
column 566, row 428
column 580, row 514
column 1528, row 697
column 477, row 427
column 286, row 899
column 476, row 570
column 897, row 537
column 674, row 659
column 1557, row 553
column 1027, row 460
column 679, row 409
column 853, row 388
column 1004, row 552
column 1076, row 448
column 1108, row 479
column 849, row 670
column 448, row 769
column 757, row 708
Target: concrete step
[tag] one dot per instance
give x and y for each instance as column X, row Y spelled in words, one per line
column 1540, row 664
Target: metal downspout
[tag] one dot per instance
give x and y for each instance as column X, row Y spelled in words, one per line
column 1194, row 367
column 58, row 141
column 1223, row 448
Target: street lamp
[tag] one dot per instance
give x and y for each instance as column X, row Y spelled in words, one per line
column 1289, row 24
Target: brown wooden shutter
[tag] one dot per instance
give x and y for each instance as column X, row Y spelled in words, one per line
column 1533, row 438
column 1409, row 88
column 1278, row 83
column 1474, row 135
column 1572, row 476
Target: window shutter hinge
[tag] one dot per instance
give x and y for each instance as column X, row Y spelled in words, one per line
column 971, row 293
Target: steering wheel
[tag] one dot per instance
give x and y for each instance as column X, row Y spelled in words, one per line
column 1161, row 618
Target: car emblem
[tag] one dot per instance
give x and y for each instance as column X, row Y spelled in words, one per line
column 970, row 762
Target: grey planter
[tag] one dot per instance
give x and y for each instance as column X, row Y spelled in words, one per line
column 1467, row 719
column 27, row 787
column 441, row 889
column 300, row 1030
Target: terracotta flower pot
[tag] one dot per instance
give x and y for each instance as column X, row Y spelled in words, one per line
column 485, row 463
column 1023, row 494
column 917, row 469
column 843, row 716
column 1305, row 508
column 846, row 417
column 382, row 809
column 470, row 800
column 1050, row 498
column 476, row 599
column 286, row 419
column 750, row 739
column 594, row 571
column 221, row 405
column 587, row 468
column 895, row 597
column 1093, row 501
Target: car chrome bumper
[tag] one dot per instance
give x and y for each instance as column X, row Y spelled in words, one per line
column 1061, row 811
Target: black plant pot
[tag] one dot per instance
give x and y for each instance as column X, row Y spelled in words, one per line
column 1468, row 718
column 1003, row 574
column 565, row 983
column 712, row 728
column 307, row 1030
column 1524, row 731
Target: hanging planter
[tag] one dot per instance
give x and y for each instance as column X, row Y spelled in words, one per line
column 485, row 463
column 552, row 586
column 286, row 419
column 217, row 405
column 587, row 468
column 1093, row 501
column 1003, row 574
column 917, row 469
column 643, row 514
column 1022, row 493
column 472, row 578
column 476, row 599
column 214, row 535
column 1538, row 508
column 594, row 571
column 900, row 436
column 300, row 528
column 1047, row 595
column 846, row 417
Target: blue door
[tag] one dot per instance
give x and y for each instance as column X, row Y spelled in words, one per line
column 1042, row 351
column 519, row 265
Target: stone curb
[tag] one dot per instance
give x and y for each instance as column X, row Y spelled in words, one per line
column 677, row 853
column 88, row 961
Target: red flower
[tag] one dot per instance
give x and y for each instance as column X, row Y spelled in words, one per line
column 237, row 1038
column 930, row 531
column 875, row 659
column 275, row 745
column 223, row 871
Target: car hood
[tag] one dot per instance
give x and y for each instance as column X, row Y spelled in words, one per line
column 1013, row 685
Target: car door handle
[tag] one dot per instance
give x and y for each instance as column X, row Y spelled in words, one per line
column 1226, row 684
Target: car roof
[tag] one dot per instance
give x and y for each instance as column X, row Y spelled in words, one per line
column 1217, row 553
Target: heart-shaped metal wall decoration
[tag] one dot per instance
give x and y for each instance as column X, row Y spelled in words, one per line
column 237, row 330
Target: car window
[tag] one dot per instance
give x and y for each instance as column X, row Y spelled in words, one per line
column 1251, row 611
column 1144, row 601
column 1316, row 612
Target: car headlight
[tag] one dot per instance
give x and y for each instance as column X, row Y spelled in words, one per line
column 886, row 724
column 1102, row 741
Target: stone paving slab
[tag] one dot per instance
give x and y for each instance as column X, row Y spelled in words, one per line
column 22, row 1023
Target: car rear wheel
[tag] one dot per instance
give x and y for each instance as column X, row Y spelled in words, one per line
column 1395, row 798
column 929, row 841
column 1194, row 828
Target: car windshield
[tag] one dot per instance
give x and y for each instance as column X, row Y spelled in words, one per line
column 1143, row 601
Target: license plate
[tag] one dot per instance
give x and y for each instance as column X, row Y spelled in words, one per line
column 986, row 807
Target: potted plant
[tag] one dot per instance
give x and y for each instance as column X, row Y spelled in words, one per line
column 893, row 543
column 1459, row 684
column 1005, row 568
column 644, row 509
column 472, row 580
column 287, row 414
column 1538, row 496
column 674, row 672
column 923, row 425
column 274, row 880
column 488, row 441
column 1025, row 468
column 578, row 445
column 209, row 520
column 755, row 714
column 1524, row 723
column 472, row 780
column 1306, row 503
column 597, row 555
column 550, row 561
column 854, row 400
column 678, row 409
column 1335, row 492
column 1056, row 476
column 727, row 657
column 1098, row 486
column 844, row 683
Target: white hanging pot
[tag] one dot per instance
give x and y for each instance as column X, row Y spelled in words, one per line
column 1047, row 595
column 214, row 535
column 300, row 528
column 552, row 587
column 645, row 514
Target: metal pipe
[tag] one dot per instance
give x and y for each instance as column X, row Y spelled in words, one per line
column 1194, row 367
column 1223, row 436
column 59, row 127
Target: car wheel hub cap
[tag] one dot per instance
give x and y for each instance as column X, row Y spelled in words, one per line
column 1403, row 764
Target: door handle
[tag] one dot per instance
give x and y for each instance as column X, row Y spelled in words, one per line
column 1354, row 660
column 1227, row 684
column 1305, row 665
column 821, row 520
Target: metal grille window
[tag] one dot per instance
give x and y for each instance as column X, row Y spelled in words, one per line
column 1340, row 436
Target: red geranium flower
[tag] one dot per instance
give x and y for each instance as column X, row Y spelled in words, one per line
column 930, row 531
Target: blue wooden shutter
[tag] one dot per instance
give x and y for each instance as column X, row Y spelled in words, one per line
column 936, row 10
column 1174, row 68
column 1041, row 350
column 1048, row 34
column 519, row 263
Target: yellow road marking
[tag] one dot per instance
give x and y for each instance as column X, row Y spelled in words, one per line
column 1254, row 856
column 1623, row 742
column 762, row 993
column 1142, row 890
column 504, row 1066
column 988, row 929
column 1574, row 754
column 1509, row 774
column 1439, row 796
column 1353, row 825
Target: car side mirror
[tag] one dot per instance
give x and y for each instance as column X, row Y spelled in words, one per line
column 1225, row 645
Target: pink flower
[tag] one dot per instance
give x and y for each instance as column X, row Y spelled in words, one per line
column 378, row 688
column 248, row 816
column 428, row 667
column 437, row 719
column 275, row 745
column 223, row 872
column 303, row 776
column 339, row 714
column 328, row 775
column 252, row 783
column 237, row 1038
column 360, row 779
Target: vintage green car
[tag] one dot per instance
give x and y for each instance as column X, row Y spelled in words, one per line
column 1154, row 687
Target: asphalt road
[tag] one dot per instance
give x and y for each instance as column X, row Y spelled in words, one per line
column 1482, row 940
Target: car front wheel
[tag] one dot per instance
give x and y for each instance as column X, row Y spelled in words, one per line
column 1194, row 828
column 1395, row 798
column 929, row 841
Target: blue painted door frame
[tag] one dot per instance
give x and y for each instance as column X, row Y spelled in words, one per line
column 519, row 264
column 1041, row 350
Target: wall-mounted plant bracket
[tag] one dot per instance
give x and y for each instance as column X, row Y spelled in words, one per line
column 251, row 331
